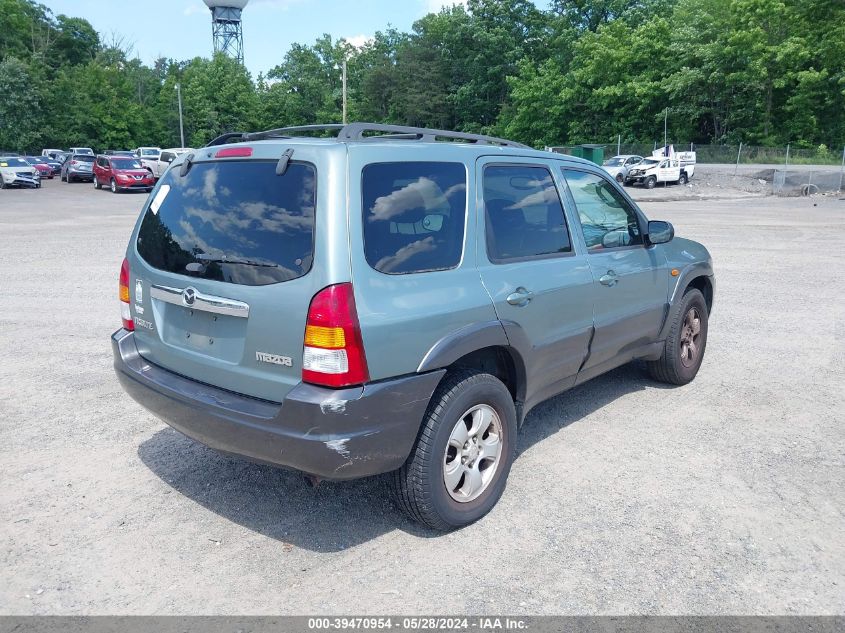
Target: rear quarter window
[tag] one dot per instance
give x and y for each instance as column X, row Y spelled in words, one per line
column 413, row 215
column 232, row 221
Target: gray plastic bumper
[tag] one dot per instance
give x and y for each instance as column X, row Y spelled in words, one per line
column 333, row 434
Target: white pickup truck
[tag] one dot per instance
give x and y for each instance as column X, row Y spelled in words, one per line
column 148, row 157
column 677, row 167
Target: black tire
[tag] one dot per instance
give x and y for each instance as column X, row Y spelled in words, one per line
column 113, row 186
column 650, row 182
column 97, row 184
column 620, row 178
column 683, row 179
column 419, row 485
column 671, row 368
column 3, row 184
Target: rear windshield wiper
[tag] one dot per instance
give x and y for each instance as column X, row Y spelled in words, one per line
column 211, row 259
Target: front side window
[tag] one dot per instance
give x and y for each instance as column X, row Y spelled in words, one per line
column 232, row 221
column 607, row 220
column 414, row 215
column 523, row 214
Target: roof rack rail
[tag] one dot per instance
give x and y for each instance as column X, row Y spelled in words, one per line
column 225, row 138
column 286, row 132
column 359, row 131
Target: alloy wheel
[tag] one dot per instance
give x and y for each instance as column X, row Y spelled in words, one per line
column 690, row 337
column 473, row 453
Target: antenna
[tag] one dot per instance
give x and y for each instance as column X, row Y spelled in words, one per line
column 226, row 27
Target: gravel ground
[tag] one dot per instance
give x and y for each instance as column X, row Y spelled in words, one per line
column 724, row 496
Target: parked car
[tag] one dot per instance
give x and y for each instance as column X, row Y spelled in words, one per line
column 148, row 156
column 618, row 166
column 17, row 172
column 366, row 305
column 119, row 152
column 168, row 156
column 44, row 168
column 82, row 150
column 78, row 167
column 51, row 153
column 121, row 173
column 652, row 171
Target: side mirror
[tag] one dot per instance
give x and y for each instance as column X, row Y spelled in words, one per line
column 660, row 232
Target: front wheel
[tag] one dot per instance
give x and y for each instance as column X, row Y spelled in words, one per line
column 459, row 465
column 620, row 178
column 97, row 184
column 683, row 350
column 113, row 186
column 651, row 182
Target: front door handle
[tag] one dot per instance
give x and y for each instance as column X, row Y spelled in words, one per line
column 520, row 297
column 610, row 279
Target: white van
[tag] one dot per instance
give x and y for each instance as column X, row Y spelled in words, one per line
column 82, row 150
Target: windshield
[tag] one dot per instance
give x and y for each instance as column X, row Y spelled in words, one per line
column 647, row 162
column 125, row 163
column 150, row 152
column 236, row 222
column 13, row 162
column 614, row 162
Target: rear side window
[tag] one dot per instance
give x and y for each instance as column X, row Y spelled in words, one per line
column 230, row 221
column 414, row 215
column 522, row 213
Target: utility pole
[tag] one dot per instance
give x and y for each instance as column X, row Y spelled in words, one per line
column 181, row 126
column 344, row 90
column 665, row 129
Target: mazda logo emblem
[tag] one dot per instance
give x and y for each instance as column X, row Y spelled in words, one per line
column 189, row 295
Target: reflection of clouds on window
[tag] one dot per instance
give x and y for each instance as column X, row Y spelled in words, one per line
column 422, row 193
column 395, row 262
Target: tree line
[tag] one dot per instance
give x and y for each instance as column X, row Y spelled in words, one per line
column 764, row 72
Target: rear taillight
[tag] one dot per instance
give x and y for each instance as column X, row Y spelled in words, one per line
column 125, row 316
column 334, row 350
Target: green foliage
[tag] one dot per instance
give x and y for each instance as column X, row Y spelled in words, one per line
column 764, row 72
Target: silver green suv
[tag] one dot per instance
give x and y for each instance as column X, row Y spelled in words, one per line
column 394, row 300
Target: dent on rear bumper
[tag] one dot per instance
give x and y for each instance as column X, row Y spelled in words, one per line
column 333, row 434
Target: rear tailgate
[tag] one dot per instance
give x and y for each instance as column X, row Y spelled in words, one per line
column 221, row 270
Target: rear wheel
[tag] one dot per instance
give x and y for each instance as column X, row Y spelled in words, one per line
column 684, row 348
column 683, row 179
column 651, row 182
column 459, row 465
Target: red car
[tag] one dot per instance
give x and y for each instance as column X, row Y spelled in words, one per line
column 121, row 173
column 41, row 165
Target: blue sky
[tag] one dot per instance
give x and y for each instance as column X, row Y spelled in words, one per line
column 181, row 29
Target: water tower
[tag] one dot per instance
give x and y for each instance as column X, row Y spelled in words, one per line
column 226, row 27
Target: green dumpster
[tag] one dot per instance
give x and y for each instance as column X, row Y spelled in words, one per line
column 593, row 153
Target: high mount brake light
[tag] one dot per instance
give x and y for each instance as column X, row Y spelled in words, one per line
column 125, row 315
column 333, row 354
column 234, row 152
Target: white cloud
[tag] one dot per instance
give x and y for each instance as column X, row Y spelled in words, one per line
column 194, row 8
column 359, row 41
column 434, row 6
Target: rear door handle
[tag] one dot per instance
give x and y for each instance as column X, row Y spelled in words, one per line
column 610, row 279
column 520, row 297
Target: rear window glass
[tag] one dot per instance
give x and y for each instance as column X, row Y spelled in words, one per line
column 83, row 158
column 413, row 215
column 236, row 222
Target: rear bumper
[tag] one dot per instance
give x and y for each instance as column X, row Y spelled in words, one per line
column 333, row 434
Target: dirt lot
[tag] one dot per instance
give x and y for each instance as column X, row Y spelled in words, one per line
column 725, row 496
